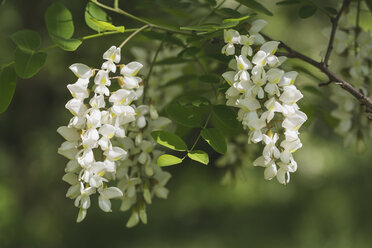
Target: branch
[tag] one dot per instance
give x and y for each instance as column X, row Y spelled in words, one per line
column 291, row 53
column 334, row 21
column 152, row 25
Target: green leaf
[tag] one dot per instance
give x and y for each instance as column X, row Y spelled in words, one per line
column 215, row 139
column 307, row 11
column 199, row 156
column 196, row 101
column 183, row 115
column 167, row 160
column 228, row 12
column 106, row 26
column 59, row 21
column 92, row 11
column 26, row 39
column 210, row 78
column 66, row 44
column 170, row 140
column 8, row 80
column 255, row 6
column 230, row 24
column 331, row 10
column 288, row 2
column 369, row 4
column 28, row 62
column 239, row 19
column 227, row 116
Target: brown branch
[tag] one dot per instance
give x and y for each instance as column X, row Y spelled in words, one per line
column 334, row 21
column 291, row 53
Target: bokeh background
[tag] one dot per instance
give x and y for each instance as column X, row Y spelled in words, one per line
column 327, row 204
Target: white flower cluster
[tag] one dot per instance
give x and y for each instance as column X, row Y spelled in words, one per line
column 266, row 98
column 94, row 136
column 352, row 58
column 139, row 177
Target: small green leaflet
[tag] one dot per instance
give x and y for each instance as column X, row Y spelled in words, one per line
column 28, row 62
column 105, row 26
column 183, row 115
column 170, row 140
column 307, row 11
column 26, row 39
column 8, row 82
column 92, row 11
column 255, row 6
column 167, row 160
column 199, row 156
column 215, row 139
column 61, row 27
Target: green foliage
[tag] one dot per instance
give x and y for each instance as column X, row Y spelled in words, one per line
column 183, row 115
column 8, row 80
column 215, row 139
column 307, row 11
column 199, row 156
column 26, row 39
column 288, row 2
column 227, row 116
column 167, row 160
column 59, row 21
column 331, row 10
column 28, row 62
column 61, row 27
column 192, row 100
column 93, row 12
column 369, row 4
column 105, row 26
column 169, row 140
column 255, row 6
column 210, row 78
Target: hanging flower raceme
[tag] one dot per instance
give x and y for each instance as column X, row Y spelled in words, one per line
column 94, row 136
column 267, row 100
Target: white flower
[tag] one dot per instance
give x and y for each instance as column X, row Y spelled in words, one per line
column 81, row 70
column 231, row 37
column 105, row 196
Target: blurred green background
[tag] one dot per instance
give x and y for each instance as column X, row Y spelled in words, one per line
column 326, row 204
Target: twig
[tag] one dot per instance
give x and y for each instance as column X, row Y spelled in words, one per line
column 291, row 53
column 133, row 34
column 151, row 67
column 152, row 25
column 334, row 21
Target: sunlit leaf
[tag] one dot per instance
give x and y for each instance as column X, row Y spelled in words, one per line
column 169, row 140
column 199, row 156
column 167, row 160
column 106, row 26
column 92, row 11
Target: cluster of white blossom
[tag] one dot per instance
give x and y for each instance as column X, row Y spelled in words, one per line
column 97, row 133
column 139, row 177
column 352, row 58
column 266, row 98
